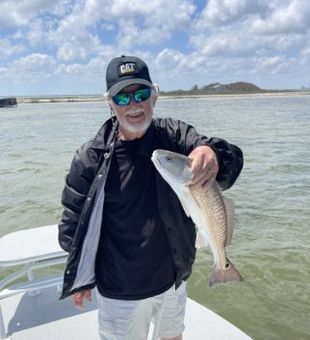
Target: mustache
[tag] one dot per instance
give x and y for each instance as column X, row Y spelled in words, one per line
column 134, row 111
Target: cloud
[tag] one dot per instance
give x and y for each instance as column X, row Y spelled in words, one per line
column 31, row 68
column 77, row 29
column 293, row 18
column 226, row 12
column 241, row 27
column 8, row 49
column 93, row 71
column 139, row 24
column 305, row 52
column 224, row 44
column 170, row 60
column 71, row 42
column 271, row 63
column 21, row 12
column 172, row 14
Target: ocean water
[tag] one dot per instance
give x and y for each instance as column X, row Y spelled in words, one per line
column 271, row 241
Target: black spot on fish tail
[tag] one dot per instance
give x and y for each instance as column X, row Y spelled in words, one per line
column 226, row 274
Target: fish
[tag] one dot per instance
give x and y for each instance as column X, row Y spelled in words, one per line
column 212, row 213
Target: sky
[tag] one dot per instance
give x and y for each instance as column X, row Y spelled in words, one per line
column 63, row 47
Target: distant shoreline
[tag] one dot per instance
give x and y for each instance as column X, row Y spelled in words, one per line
column 59, row 99
column 98, row 98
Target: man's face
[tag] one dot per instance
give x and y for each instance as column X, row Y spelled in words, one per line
column 134, row 118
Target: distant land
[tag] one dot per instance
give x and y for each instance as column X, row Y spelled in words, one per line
column 238, row 88
column 232, row 88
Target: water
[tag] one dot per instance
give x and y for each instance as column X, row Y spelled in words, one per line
column 271, row 242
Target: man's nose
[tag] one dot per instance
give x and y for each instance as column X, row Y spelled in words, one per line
column 132, row 100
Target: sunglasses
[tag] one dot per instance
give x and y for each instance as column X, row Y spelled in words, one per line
column 140, row 95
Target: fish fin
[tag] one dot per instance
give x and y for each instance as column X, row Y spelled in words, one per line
column 201, row 242
column 226, row 274
column 230, row 214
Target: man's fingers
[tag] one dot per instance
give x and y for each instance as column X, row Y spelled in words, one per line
column 196, row 166
column 78, row 298
column 78, row 303
column 206, row 172
column 207, row 184
column 205, row 180
column 88, row 295
column 204, row 166
column 198, row 178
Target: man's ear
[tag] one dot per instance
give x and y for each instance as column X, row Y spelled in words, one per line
column 111, row 109
column 155, row 93
column 108, row 101
column 154, row 98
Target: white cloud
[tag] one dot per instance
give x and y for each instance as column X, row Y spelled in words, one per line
column 163, row 20
column 139, row 23
column 32, row 68
column 237, row 42
column 71, row 38
column 130, row 35
column 305, row 51
column 272, row 64
column 71, row 70
column 172, row 14
column 20, row 12
column 170, row 59
column 293, row 18
column 224, row 43
column 226, row 12
column 76, row 48
column 134, row 24
column 244, row 27
column 8, row 49
column 72, row 41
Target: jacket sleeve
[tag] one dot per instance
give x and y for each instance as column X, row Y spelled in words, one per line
column 229, row 156
column 77, row 184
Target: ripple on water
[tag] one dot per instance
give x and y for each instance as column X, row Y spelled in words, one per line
column 271, row 240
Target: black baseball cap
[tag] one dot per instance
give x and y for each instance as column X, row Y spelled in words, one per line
column 124, row 71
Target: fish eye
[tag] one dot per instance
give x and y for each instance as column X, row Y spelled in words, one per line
column 168, row 158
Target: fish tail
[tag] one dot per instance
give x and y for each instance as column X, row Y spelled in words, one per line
column 224, row 274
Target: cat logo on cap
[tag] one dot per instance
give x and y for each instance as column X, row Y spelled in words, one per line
column 127, row 68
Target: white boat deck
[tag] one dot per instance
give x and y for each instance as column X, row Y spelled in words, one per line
column 30, row 245
column 44, row 317
column 39, row 315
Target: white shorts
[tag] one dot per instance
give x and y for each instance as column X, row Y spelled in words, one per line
column 131, row 320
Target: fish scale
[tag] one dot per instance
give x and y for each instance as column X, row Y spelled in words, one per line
column 212, row 212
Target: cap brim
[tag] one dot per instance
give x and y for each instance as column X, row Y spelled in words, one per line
column 113, row 90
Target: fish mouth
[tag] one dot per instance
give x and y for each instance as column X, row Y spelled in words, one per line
column 155, row 160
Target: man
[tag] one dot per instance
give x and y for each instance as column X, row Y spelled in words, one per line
column 123, row 226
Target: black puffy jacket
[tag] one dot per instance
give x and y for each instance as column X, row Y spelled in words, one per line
column 83, row 198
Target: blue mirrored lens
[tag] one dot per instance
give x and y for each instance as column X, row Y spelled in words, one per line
column 142, row 94
column 139, row 96
column 121, row 99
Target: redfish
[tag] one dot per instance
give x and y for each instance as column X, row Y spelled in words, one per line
column 209, row 210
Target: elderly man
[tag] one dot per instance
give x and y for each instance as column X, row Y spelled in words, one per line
column 123, row 226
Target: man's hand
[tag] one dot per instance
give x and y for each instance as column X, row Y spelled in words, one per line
column 78, row 298
column 204, row 166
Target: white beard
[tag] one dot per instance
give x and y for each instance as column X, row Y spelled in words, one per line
column 138, row 126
